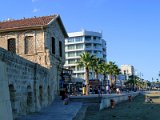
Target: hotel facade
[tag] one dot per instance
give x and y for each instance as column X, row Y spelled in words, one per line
column 80, row 42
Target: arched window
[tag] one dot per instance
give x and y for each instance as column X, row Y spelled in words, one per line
column 29, row 96
column 29, row 45
column 49, row 94
column 12, row 45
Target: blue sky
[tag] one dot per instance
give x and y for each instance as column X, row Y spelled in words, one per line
column 130, row 27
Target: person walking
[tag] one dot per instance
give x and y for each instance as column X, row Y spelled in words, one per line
column 107, row 89
column 99, row 92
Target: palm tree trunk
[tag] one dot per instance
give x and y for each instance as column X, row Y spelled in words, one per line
column 104, row 78
column 87, row 79
column 115, row 77
column 96, row 74
column 111, row 80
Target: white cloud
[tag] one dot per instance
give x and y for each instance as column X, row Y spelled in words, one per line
column 35, row 10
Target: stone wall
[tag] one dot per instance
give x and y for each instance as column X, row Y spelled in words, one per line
column 56, row 62
column 29, row 84
column 5, row 104
column 20, row 36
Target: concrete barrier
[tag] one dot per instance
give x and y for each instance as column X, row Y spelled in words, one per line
column 150, row 92
column 105, row 100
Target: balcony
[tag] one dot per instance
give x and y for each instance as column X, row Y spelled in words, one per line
column 98, row 55
column 88, row 47
column 79, row 71
column 93, row 41
column 67, row 50
column 97, row 48
column 72, row 57
column 88, row 41
column 97, row 41
column 75, row 49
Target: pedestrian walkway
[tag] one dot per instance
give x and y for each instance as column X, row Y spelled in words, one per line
column 56, row 111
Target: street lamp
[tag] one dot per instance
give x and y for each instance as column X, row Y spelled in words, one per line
column 159, row 74
column 134, row 79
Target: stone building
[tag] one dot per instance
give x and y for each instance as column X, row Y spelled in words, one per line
column 33, row 51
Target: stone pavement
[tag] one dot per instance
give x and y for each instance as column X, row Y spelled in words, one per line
column 59, row 111
column 56, row 111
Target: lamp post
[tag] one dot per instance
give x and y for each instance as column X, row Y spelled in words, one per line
column 125, row 78
column 159, row 74
column 134, row 78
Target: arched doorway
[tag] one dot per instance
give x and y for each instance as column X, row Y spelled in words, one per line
column 12, row 93
column 40, row 95
column 49, row 94
column 29, row 98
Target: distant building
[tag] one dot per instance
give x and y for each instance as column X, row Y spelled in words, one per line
column 80, row 42
column 127, row 70
column 120, row 80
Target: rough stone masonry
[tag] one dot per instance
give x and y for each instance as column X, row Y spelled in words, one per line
column 33, row 53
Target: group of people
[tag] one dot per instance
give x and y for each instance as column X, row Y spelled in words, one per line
column 104, row 90
column 148, row 99
column 100, row 90
column 93, row 90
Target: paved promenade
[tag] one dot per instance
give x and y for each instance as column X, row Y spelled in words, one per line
column 57, row 111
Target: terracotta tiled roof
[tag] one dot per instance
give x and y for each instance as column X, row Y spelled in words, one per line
column 27, row 22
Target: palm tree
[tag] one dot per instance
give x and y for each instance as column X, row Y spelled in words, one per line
column 133, row 82
column 111, row 71
column 95, row 64
column 86, row 62
column 103, row 69
column 129, row 83
column 116, row 71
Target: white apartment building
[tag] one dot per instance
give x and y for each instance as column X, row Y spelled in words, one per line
column 80, row 42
